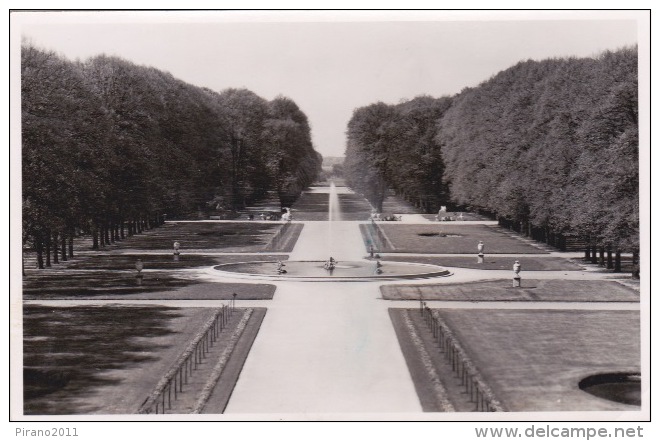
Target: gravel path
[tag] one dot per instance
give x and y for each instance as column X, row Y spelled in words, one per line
column 326, row 348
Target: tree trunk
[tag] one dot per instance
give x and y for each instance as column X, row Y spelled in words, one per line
column 610, row 264
column 55, row 246
column 601, row 259
column 106, row 233
column 587, row 253
column 64, row 258
column 617, row 261
column 121, row 230
column 48, row 250
column 95, row 238
column 71, row 244
column 594, row 254
column 40, row 251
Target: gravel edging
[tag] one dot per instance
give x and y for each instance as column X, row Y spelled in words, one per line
column 218, row 399
column 166, row 379
column 285, row 238
column 222, row 362
column 478, row 378
column 435, row 382
column 433, row 398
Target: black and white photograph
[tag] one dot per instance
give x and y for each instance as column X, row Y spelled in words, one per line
column 332, row 215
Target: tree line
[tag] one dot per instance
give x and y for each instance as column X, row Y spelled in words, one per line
column 110, row 148
column 549, row 148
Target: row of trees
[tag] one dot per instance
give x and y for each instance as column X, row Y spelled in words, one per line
column 395, row 147
column 110, row 148
column 548, row 147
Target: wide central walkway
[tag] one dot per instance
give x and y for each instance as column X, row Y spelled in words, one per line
column 325, row 347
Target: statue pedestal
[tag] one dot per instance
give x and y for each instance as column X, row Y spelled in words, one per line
column 138, row 279
column 516, row 281
column 176, row 256
column 480, row 258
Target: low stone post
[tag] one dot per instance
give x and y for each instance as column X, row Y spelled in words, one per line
column 516, row 274
column 138, row 267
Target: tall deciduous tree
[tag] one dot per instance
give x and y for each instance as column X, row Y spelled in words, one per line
column 109, row 147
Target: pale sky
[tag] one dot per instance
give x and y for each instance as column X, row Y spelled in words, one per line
column 330, row 63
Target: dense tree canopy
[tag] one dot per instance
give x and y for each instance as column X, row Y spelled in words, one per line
column 551, row 144
column 395, row 147
column 549, row 147
column 109, row 146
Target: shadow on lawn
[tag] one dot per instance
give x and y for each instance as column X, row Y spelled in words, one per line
column 73, row 349
column 101, row 282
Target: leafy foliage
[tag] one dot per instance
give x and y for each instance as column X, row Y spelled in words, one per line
column 546, row 146
column 109, row 145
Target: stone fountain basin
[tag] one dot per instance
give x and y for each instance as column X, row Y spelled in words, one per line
column 313, row 270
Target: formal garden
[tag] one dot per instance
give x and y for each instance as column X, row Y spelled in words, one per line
column 483, row 254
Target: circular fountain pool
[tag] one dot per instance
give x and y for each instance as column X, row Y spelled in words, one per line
column 314, row 271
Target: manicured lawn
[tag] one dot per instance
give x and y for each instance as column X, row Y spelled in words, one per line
column 454, row 214
column 311, row 206
column 448, row 238
column 112, row 276
column 314, row 206
column 502, row 290
column 119, row 262
column 107, row 360
column 395, row 205
column 529, row 263
column 222, row 236
column 354, row 207
column 82, row 283
column 72, row 354
column 534, row 360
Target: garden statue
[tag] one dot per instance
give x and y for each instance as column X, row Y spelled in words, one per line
column 516, row 274
column 330, row 264
column 138, row 267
